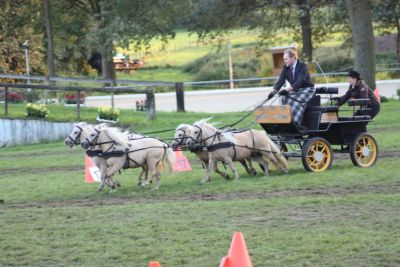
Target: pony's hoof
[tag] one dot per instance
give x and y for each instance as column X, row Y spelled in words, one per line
column 253, row 172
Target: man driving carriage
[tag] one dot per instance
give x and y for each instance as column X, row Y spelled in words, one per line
column 301, row 88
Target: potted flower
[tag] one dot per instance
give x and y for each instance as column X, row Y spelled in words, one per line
column 108, row 114
column 37, row 111
column 15, row 97
column 72, row 99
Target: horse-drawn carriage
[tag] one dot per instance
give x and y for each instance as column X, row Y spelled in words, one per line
column 323, row 128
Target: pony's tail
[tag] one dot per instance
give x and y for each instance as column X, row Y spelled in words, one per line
column 167, row 161
column 283, row 163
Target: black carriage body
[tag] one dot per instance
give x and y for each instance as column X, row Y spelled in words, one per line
column 320, row 132
column 342, row 132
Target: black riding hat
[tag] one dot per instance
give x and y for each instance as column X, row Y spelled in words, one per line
column 354, row 74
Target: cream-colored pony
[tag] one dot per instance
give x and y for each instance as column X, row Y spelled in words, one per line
column 81, row 131
column 120, row 152
column 182, row 133
column 233, row 146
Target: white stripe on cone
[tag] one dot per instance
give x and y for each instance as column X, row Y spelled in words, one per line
column 92, row 173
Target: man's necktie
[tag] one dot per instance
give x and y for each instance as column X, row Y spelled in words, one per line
column 292, row 69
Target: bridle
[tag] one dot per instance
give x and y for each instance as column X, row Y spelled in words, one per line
column 199, row 138
column 95, row 142
column 75, row 141
column 182, row 139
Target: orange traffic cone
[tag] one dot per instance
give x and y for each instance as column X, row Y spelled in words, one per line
column 154, row 264
column 238, row 255
column 181, row 164
column 92, row 173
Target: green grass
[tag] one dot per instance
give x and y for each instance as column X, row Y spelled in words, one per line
column 346, row 216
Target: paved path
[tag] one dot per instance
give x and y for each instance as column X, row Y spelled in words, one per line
column 219, row 100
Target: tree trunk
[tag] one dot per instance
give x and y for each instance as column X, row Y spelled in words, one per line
column 306, row 30
column 107, row 62
column 398, row 42
column 49, row 35
column 363, row 39
column 107, row 49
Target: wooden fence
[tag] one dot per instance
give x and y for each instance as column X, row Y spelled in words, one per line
column 150, row 100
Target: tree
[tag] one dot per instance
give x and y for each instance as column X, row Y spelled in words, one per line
column 310, row 21
column 49, row 35
column 363, row 39
column 127, row 23
column 18, row 20
column 387, row 16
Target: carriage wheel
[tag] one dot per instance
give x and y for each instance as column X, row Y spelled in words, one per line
column 364, row 150
column 316, row 155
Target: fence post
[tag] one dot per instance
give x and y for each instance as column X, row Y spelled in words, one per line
column 78, row 106
column 6, row 100
column 180, row 97
column 150, row 104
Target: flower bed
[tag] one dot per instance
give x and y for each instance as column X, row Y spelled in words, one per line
column 15, row 97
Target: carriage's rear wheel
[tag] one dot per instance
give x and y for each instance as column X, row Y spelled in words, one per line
column 316, row 155
column 364, row 150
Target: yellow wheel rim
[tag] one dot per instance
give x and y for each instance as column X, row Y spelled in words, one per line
column 365, row 151
column 318, row 156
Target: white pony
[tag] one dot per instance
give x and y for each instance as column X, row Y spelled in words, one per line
column 182, row 133
column 81, row 131
column 120, row 152
column 234, row 146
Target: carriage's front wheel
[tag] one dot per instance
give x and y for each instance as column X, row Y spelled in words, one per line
column 316, row 155
column 364, row 150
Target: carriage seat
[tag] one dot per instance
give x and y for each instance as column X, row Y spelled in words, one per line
column 324, row 109
column 355, row 118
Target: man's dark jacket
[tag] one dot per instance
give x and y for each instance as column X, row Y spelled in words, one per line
column 302, row 78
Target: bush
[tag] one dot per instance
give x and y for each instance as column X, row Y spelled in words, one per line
column 108, row 113
column 247, row 62
column 37, row 111
column 384, row 99
column 31, row 96
column 398, row 93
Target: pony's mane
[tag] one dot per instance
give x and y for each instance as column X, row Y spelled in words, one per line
column 82, row 124
column 182, row 125
column 205, row 123
column 116, row 135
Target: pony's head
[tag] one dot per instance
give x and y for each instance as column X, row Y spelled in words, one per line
column 103, row 134
column 92, row 138
column 78, row 133
column 201, row 131
column 181, row 134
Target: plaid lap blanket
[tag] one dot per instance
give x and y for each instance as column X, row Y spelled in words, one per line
column 298, row 101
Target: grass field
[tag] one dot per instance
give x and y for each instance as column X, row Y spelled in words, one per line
column 346, row 216
column 165, row 62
